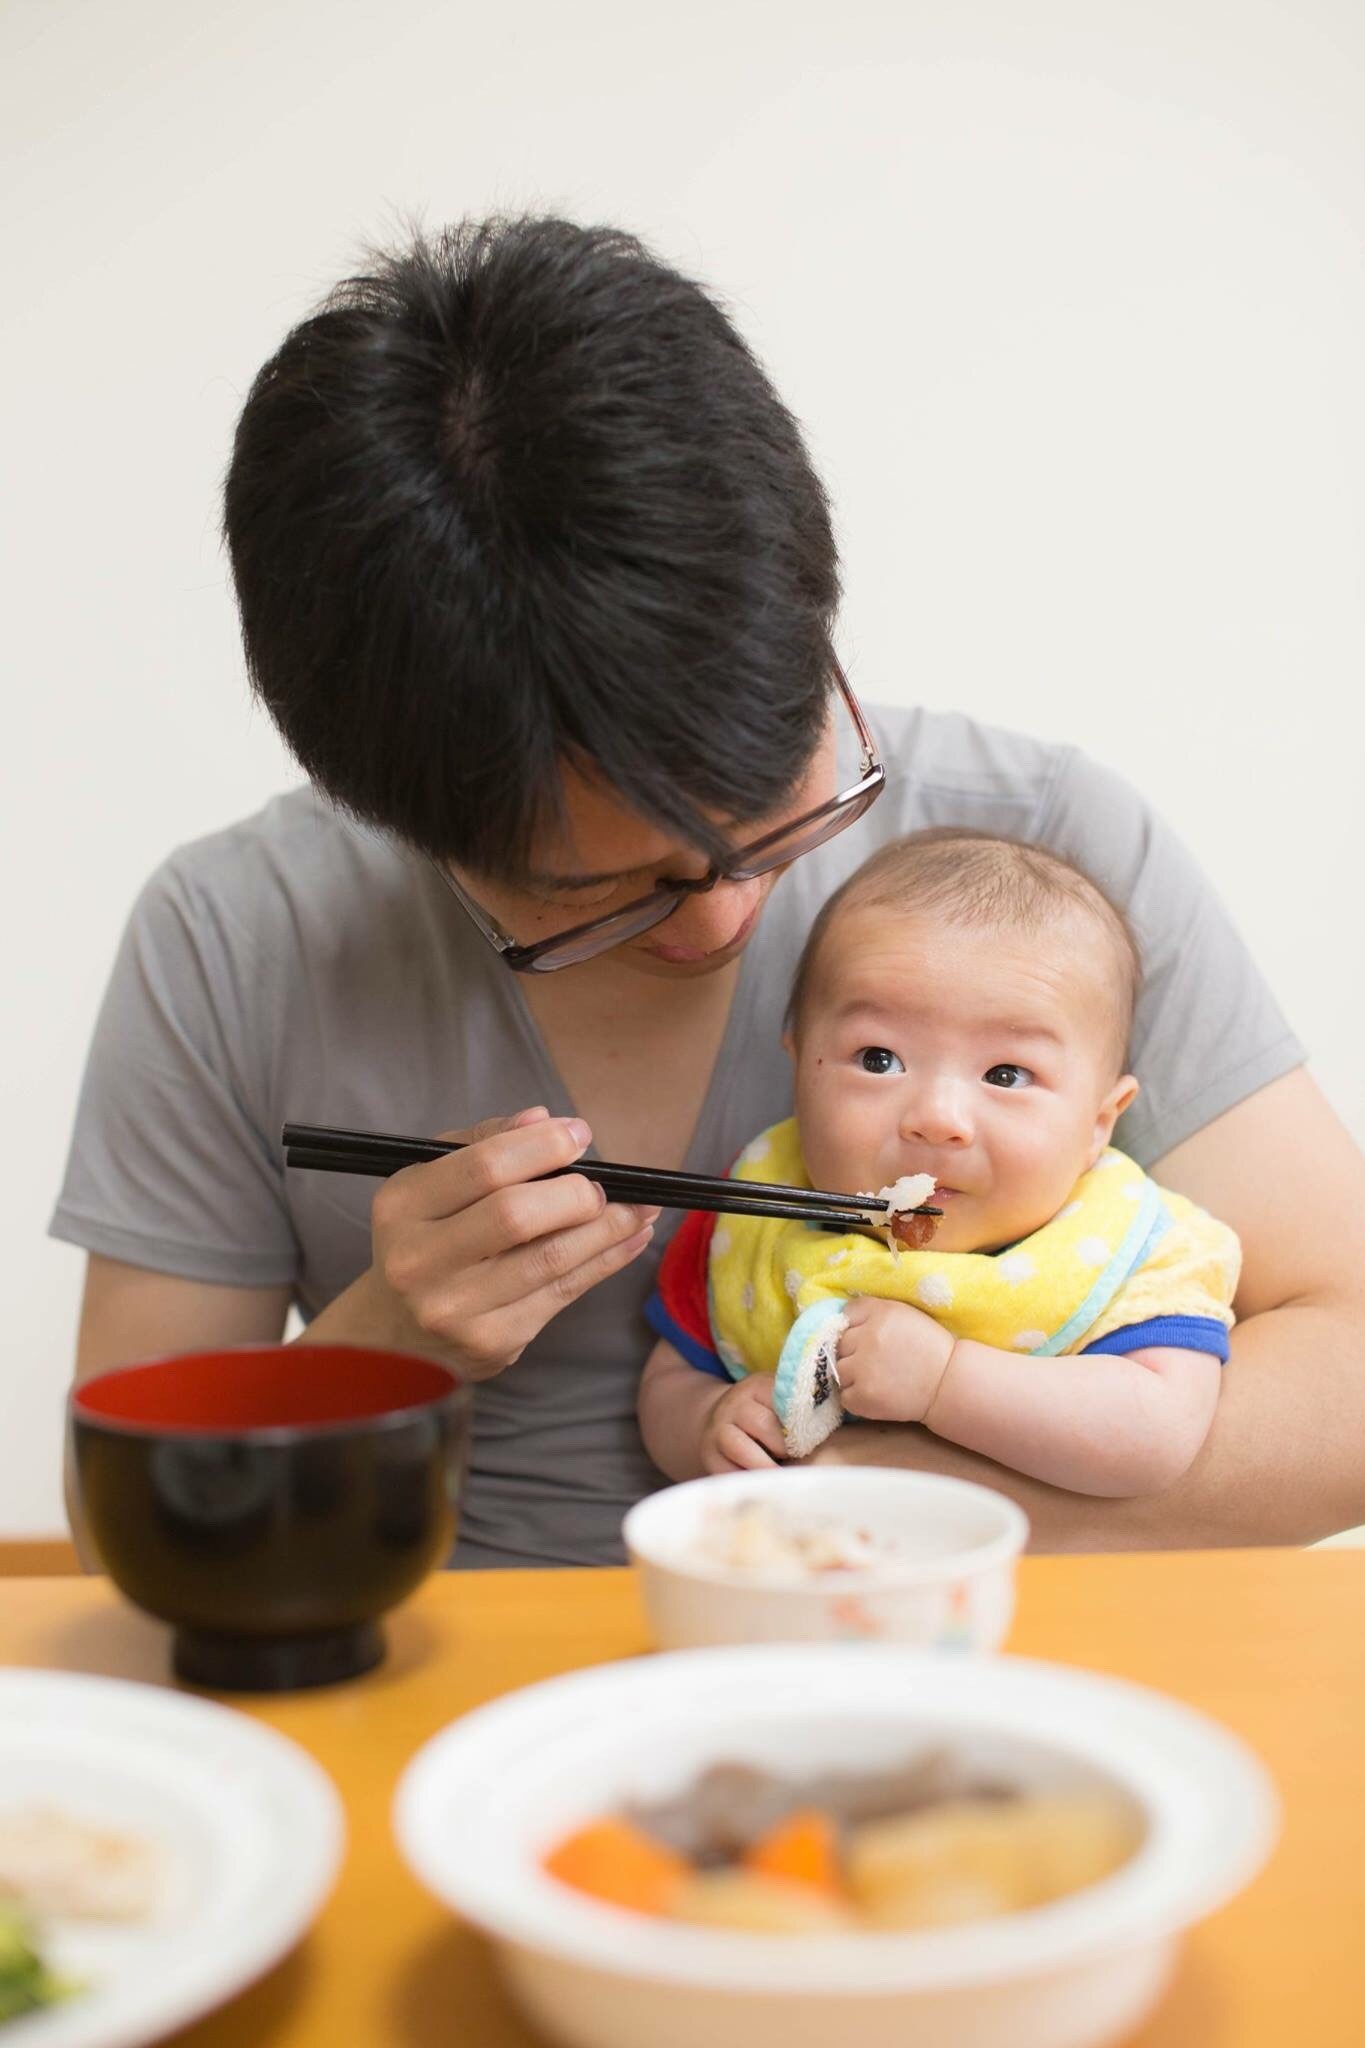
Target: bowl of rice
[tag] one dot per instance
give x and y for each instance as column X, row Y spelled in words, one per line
column 827, row 1555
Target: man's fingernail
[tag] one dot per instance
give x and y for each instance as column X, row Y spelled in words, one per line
column 579, row 1131
column 537, row 1115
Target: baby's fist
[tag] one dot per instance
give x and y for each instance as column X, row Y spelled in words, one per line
column 742, row 1432
column 891, row 1360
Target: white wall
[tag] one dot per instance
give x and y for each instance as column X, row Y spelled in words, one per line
column 1069, row 297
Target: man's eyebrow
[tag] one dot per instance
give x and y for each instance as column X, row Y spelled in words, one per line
column 543, row 880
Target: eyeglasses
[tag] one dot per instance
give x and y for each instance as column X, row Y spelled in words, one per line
column 775, row 849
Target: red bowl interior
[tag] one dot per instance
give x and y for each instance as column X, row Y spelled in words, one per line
column 267, row 1386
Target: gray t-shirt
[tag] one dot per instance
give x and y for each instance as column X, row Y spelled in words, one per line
column 297, row 966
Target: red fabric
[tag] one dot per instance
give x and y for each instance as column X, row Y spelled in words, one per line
column 682, row 1276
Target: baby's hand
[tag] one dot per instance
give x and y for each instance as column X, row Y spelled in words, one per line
column 891, row 1360
column 741, row 1432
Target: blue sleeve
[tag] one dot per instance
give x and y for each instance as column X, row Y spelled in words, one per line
column 1178, row 1333
column 696, row 1353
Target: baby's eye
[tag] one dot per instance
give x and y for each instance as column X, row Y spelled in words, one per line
column 875, row 1059
column 1008, row 1076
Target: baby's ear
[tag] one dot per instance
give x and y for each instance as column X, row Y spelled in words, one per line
column 789, row 1045
column 1121, row 1096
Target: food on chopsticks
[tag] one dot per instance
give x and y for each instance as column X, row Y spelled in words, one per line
column 927, row 1845
column 53, row 1866
column 903, row 1196
column 913, row 1233
column 755, row 1536
column 27, row 1984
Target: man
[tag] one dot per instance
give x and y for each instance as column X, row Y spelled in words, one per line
column 537, row 581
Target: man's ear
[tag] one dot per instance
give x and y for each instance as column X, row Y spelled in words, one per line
column 1121, row 1096
column 789, row 1044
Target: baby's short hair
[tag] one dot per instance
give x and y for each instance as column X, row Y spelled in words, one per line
column 976, row 879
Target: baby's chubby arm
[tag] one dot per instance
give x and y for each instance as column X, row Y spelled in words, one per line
column 1108, row 1423
column 693, row 1424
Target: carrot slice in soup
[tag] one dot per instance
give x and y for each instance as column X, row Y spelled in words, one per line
column 802, row 1849
column 612, row 1860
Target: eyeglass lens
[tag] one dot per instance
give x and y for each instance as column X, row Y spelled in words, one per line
column 803, row 838
column 641, row 917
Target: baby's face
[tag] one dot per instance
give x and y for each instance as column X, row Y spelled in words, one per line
column 982, row 1057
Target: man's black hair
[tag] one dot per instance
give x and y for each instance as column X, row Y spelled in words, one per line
column 518, row 495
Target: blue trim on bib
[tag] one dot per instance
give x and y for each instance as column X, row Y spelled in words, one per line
column 806, row 1328
column 1180, row 1333
column 1149, row 1225
column 662, row 1323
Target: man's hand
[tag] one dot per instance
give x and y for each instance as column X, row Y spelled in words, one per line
column 741, row 1432
column 474, row 1254
column 892, row 1359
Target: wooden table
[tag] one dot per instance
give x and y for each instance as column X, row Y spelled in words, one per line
column 1272, row 1643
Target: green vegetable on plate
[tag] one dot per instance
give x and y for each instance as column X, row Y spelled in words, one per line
column 26, row 1983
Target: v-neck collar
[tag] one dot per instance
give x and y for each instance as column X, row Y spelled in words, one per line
column 699, row 1155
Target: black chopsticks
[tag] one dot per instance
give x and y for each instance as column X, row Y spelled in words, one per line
column 324, row 1149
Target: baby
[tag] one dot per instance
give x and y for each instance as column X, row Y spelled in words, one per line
column 962, row 1009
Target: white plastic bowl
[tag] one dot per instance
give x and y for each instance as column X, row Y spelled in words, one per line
column 951, row 1585
column 481, row 1803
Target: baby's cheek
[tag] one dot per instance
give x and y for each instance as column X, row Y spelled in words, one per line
column 828, row 1138
column 1048, row 1167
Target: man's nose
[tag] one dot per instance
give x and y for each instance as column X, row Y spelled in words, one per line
column 713, row 916
column 938, row 1114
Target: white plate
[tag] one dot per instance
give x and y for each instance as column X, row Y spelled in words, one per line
column 249, row 1831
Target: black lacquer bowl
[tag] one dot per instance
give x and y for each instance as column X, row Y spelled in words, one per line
column 272, row 1501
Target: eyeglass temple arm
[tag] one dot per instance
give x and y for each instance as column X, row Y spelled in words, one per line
column 867, row 745
column 500, row 940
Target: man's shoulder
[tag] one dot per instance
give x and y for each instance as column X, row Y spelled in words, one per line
column 950, row 752
column 945, row 768
column 296, row 849
column 296, row 894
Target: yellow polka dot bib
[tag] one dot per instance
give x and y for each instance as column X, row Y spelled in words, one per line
column 1119, row 1252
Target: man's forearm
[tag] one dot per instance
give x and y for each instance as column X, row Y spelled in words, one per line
column 1284, row 1461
